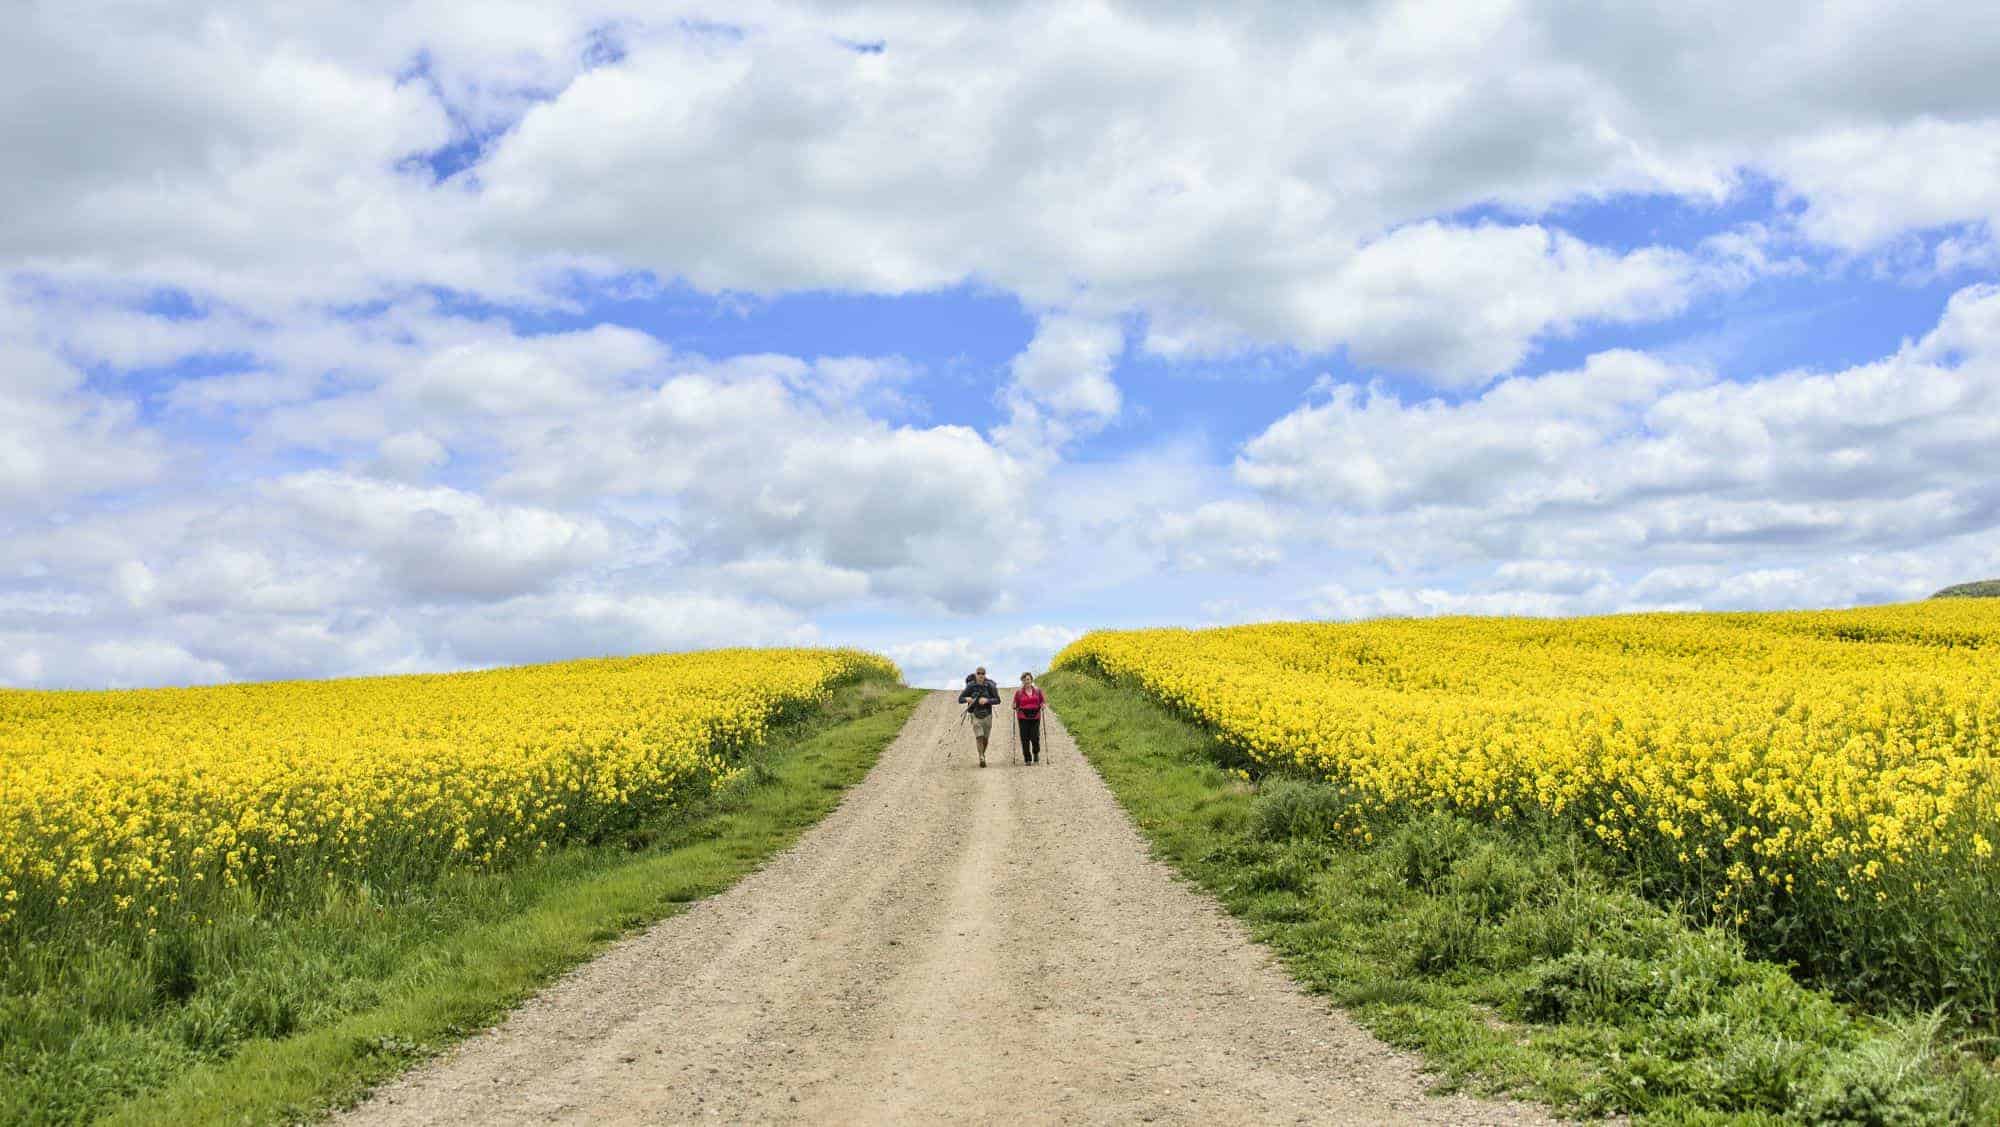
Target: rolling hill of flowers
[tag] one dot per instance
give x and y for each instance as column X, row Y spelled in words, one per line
column 1826, row 782
column 148, row 809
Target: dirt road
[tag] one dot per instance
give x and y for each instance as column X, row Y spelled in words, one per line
column 950, row 945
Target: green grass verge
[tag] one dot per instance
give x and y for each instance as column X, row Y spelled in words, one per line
column 1514, row 960
column 265, row 1018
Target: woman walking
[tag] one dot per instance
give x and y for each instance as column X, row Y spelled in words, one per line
column 1028, row 714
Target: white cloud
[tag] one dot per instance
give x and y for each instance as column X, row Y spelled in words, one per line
column 24, row 666
column 1336, row 601
column 213, row 153
column 31, row 605
column 942, row 663
column 1061, row 388
column 1627, row 457
column 937, row 663
column 1232, row 176
column 1560, row 577
column 409, row 455
column 59, row 439
column 1464, row 304
column 560, row 626
column 1273, row 174
column 442, row 542
column 589, row 470
column 1068, row 365
column 1243, row 535
column 142, row 662
column 556, row 372
column 802, row 583
column 223, row 576
column 753, row 469
column 1366, row 450
column 1184, row 190
column 847, row 380
column 1858, row 188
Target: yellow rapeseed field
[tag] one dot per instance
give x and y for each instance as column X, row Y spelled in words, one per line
column 1830, row 776
column 152, row 805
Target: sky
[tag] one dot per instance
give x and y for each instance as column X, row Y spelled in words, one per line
column 343, row 340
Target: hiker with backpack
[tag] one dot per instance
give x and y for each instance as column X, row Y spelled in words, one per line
column 979, row 697
column 1028, row 702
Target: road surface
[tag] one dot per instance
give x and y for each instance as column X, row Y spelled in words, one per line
column 950, row 945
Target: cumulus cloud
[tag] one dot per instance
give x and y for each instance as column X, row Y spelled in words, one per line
column 1243, row 535
column 225, row 576
column 1559, row 577
column 1628, row 458
column 1857, row 192
column 443, row 542
column 1504, row 287
column 1068, row 365
column 1364, row 449
column 151, row 662
column 554, row 372
column 409, row 455
column 58, row 437
column 559, row 626
column 124, row 663
column 802, row 583
column 755, row 468
column 942, row 663
column 1214, row 226
column 1269, row 175
column 1337, row 602
column 713, row 500
column 213, row 153
column 1061, row 387
column 1263, row 177
column 1540, row 588
column 57, row 442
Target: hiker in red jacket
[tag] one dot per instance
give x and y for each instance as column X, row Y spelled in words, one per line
column 1028, row 714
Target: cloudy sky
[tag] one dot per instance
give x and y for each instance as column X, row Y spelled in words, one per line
column 459, row 334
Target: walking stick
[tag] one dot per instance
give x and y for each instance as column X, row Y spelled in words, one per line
column 963, row 715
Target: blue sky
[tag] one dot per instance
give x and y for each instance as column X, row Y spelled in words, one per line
column 496, row 333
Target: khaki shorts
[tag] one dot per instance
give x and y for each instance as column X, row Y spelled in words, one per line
column 982, row 726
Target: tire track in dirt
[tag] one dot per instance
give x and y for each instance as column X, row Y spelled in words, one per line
column 950, row 945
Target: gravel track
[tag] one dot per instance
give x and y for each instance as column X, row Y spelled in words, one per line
column 950, row 945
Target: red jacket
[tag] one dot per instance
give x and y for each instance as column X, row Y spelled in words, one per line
column 1028, row 704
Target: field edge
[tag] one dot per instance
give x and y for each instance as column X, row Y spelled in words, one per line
column 1200, row 812
column 487, row 970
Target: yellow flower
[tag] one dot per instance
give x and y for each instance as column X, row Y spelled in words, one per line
column 164, row 799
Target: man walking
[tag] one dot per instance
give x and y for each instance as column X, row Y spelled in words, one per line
column 979, row 697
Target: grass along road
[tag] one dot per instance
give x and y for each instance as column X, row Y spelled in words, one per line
column 286, row 1015
column 952, row 944
column 1514, row 962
